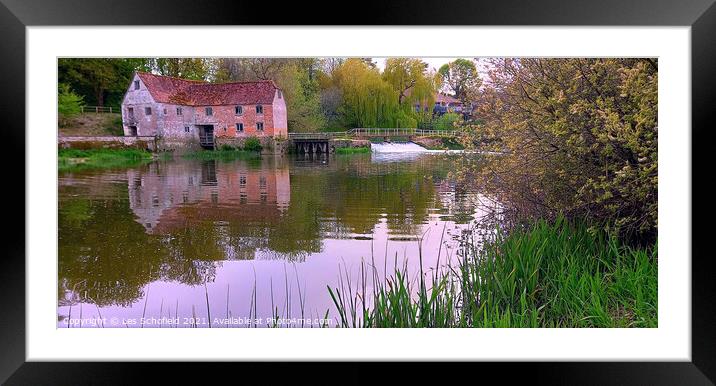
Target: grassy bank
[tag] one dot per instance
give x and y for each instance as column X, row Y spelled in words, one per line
column 91, row 124
column 75, row 159
column 547, row 275
column 352, row 150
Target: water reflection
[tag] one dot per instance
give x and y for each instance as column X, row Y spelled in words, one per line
column 163, row 238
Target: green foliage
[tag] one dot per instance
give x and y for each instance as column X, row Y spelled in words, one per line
column 187, row 68
column 547, row 275
column 68, row 103
column 446, row 121
column 100, row 81
column 462, row 78
column 580, row 137
column 76, row 159
column 252, row 144
column 353, row 150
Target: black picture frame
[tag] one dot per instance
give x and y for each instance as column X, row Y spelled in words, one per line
column 15, row 15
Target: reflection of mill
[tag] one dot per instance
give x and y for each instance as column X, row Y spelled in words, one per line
column 159, row 193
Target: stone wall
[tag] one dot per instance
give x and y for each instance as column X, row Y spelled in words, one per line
column 144, row 143
column 269, row 145
column 334, row 144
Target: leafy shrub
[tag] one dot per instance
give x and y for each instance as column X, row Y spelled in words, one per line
column 69, row 104
column 252, row 144
column 446, row 121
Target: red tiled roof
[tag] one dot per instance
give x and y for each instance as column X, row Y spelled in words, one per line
column 440, row 98
column 167, row 89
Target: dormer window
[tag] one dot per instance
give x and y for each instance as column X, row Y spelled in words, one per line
column 259, row 109
column 239, row 110
column 209, row 111
column 136, row 85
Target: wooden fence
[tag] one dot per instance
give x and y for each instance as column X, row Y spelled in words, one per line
column 99, row 109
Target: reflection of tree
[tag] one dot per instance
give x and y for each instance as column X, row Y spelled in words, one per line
column 107, row 258
column 107, row 254
column 355, row 195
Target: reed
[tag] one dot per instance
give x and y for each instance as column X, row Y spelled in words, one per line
column 557, row 274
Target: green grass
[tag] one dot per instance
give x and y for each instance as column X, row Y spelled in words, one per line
column 76, row 159
column 352, row 150
column 548, row 275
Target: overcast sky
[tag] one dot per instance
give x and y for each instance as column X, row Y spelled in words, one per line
column 433, row 63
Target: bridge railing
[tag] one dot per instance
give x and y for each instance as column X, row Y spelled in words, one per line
column 373, row 132
column 317, row 136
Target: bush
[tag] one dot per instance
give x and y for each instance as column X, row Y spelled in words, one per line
column 69, row 104
column 252, row 144
column 578, row 136
column 446, row 121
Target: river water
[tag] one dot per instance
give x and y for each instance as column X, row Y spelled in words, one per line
column 191, row 243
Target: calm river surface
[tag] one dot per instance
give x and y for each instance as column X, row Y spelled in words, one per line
column 182, row 243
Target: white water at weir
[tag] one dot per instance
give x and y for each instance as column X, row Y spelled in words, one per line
column 402, row 147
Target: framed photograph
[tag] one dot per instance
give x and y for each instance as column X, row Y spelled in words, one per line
column 493, row 188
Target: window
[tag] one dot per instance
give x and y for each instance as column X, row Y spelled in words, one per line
column 259, row 126
column 279, row 94
column 147, row 111
column 209, row 111
column 239, row 127
column 165, row 111
column 136, row 85
column 262, row 182
column 186, row 129
column 242, row 181
column 239, row 110
column 259, row 109
column 179, row 111
column 130, row 112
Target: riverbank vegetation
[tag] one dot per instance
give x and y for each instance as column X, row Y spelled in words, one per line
column 558, row 274
column 578, row 137
column 352, row 150
column 75, row 159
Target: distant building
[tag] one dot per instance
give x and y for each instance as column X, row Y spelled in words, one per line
column 181, row 111
column 445, row 104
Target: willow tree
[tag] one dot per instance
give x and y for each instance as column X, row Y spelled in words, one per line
column 368, row 101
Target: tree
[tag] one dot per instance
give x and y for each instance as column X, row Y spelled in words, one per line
column 187, row 68
column 98, row 80
column 462, row 78
column 579, row 136
column 68, row 103
column 409, row 80
column 368, row 101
